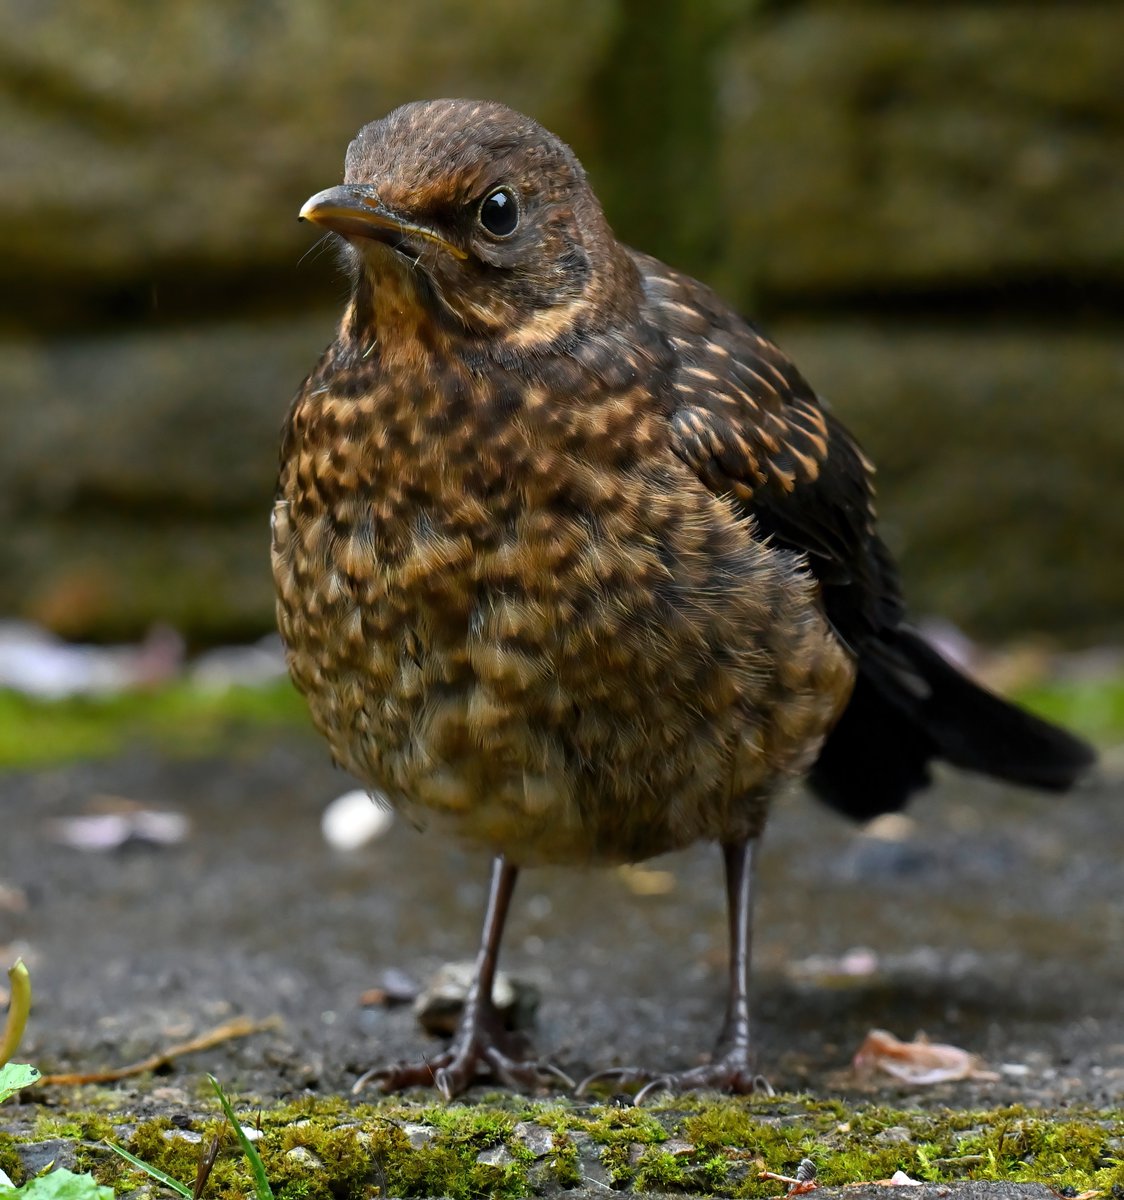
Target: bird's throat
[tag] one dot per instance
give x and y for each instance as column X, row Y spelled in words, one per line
column 391, row 310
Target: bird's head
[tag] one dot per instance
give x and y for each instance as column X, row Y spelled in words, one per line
column 488, row 216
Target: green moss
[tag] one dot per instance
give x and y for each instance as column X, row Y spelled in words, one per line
column 9, row 1160
column 347, row 1166
column 469, row 1124
column 614, row 1130
column 723, row 1123
column 565, row 1163
column 84, row 1125
column 324, row 1148
column 658, row 1171
column 179, row 719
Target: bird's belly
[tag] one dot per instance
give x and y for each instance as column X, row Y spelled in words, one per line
column 556, row 713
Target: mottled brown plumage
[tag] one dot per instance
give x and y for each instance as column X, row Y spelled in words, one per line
column 569, row 558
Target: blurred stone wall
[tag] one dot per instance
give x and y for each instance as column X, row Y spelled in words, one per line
column 924, row 203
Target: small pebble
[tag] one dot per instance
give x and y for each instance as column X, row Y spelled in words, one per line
column 440, row 1003
column 304, row 1156
column 419, row 1136
column 394, row 987
column 354, row 819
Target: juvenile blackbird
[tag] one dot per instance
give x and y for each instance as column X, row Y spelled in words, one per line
column 571, row 560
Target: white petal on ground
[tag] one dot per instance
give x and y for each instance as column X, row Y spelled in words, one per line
column 109, row 830
column 240, row 666
column 37, row 663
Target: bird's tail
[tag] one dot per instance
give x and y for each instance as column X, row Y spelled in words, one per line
column 909, row 707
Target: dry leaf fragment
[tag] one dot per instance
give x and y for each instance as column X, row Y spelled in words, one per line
column 918, row 1062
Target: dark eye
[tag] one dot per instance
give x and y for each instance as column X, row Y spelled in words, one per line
column 499, row 212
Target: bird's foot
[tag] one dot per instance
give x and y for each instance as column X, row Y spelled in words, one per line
column 478, row 1054
column 732, row 1072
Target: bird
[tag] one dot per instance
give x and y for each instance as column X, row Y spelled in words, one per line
column 572, row 563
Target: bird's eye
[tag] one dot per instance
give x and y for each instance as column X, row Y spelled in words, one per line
column 499, row 212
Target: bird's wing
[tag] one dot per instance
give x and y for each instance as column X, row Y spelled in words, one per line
column 750, row 426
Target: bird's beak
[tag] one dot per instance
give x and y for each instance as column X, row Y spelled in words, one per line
column 355, row 211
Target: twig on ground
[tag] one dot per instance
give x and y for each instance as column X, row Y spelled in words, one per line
column 240, row 1027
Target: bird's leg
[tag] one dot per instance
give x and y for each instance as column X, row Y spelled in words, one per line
column 480, row 1028
column 731, row 1069
column 738, row 857
column 481, row 1044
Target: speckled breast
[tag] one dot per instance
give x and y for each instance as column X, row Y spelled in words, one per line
column 541, row 628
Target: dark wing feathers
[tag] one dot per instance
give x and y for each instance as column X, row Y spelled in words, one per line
column 749, row 425
column 746, row 421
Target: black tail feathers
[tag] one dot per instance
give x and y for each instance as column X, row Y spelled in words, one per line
column 910, row 707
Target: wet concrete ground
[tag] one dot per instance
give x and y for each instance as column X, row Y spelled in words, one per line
column 997, row 925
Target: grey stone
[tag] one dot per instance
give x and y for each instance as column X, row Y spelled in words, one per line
column 185, row 418
column 182, row 1135
column 593, row 1170
column 673, row 1146
column 535, row 1138
column 894, row 1135
column 138, row 483
column 56, row 1152
column 969, row 1190
column 495, row 1156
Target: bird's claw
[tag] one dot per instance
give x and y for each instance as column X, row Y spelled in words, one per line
column 455, row 1070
